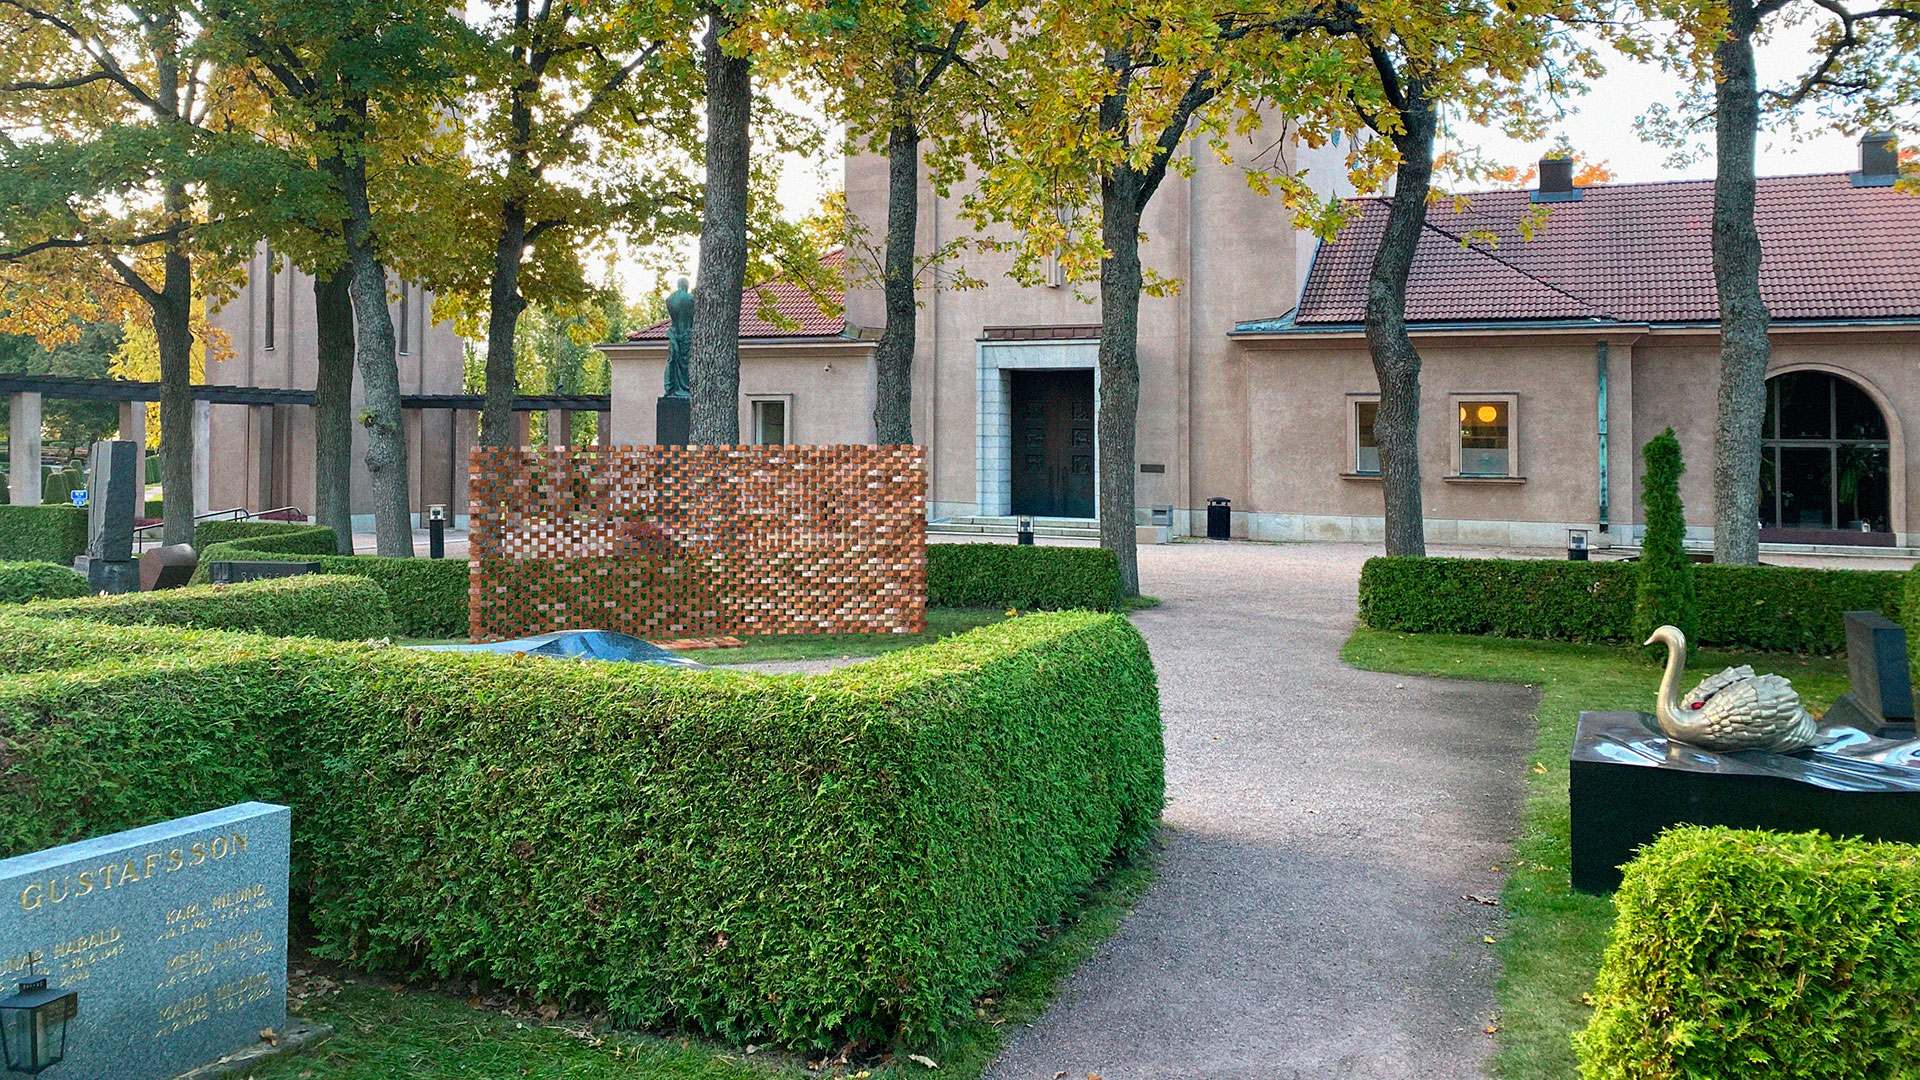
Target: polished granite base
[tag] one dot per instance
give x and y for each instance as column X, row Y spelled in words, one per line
column 1627, row 782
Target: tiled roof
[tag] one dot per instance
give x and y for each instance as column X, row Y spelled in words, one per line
column 792, row 300
column 1638, row 253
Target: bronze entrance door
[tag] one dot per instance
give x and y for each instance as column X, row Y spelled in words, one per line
column 1053, row 443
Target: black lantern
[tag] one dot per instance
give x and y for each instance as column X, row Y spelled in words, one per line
column 1577, row 545
column 33, row 1026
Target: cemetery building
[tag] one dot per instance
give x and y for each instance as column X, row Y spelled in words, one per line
column 261, row 456
column 1548, row 362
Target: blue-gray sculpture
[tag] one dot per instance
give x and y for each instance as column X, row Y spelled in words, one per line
column 1734, row 710
column 679, row 340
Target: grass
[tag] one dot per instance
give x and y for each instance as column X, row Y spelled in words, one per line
column 1554, row 935
column 941, row 622
column 382, row 1031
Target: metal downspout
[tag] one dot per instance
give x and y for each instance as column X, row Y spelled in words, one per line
column 1600, row 374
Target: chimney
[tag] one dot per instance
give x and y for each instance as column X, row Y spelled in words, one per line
column 1879, row 160
column 1556, row 181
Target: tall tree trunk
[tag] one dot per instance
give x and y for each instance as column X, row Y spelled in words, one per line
column 1396, row 363
column 379, row 370
column 713, row 361
column 333, row 407
column 504, row 305
column 1744, row 349
column 893, row 354
column 173, row 334
column 1119, row 407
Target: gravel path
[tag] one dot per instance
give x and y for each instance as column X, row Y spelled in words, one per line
column 1323, row 827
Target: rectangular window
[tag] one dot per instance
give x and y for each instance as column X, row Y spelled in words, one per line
column 770, row 422
column 1486, row 444
column 1366, row 449
column 267, row 332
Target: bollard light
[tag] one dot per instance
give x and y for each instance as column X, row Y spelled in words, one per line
column 1577, row 545
column 437, row 531
column 1026, row 530
column 33, row 1026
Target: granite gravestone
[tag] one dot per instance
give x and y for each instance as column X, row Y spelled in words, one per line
column 1882, row 694
column 111, row 478
column 173, row 935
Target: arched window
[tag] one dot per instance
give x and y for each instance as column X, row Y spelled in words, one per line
column 1823, row 463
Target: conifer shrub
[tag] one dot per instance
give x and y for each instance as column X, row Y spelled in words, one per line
column 21, row 582
column 1663, row 593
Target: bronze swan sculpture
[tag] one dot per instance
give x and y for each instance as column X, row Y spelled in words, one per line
column 1734, row 710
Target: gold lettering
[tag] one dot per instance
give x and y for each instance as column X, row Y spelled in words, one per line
column 239, row 842
column 30, row 897
column 85, row 878
column 174, row 861
column 199, row 853
column 128, row 873
column 106, row 874
column 52, row 885
column 152, row 857
column 219, row 850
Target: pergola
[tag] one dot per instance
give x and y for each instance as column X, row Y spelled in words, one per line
column 25, row 394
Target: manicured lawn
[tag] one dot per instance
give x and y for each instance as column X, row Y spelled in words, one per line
column 383, row 1032
column 1554, row 935
column 941, row 622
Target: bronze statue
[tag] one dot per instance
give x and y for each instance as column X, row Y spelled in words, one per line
column 679, row 339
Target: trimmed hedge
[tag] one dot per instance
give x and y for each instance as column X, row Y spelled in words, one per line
column 428, row 596
column 802, row 859
column 1031, row 577
column 1767, row 608
column 208, row 533
column 21, row 582
column 299, row 540
column 341, row 608
column 1752, row 954
column 42, row 534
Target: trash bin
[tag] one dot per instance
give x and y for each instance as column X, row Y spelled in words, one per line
column 1219, row 519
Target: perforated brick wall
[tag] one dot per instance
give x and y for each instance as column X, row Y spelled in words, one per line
column 662, row 542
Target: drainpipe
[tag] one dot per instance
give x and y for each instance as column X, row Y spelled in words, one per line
column 1600, row 375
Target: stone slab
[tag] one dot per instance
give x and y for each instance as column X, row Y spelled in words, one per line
column 227, row 573
column 1877, row 662
column 672, row 421
column 1627, row 783
column 168, row 567
column 174, row 936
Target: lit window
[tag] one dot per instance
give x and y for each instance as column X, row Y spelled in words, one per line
column 1486, row 436
column 770, row 423
column 1366, row 448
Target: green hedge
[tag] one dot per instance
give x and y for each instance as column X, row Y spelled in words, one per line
column 21, row 582
column 208, row 533
column 1750, row 954
column 428, row 596
column 1030, row 577
column 341, row 608
column 58, row 487
column 299, row 540
column 1769, row 608
column 42, row 533
column 803, row 859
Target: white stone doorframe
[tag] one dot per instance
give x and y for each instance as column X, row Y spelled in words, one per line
column 993, row 460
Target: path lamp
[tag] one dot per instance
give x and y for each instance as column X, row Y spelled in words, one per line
column 437, row 531
column 1577, row 545
column 33, row 1026
column 1026, row 530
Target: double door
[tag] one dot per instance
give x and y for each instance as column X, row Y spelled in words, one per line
column 1053, row 452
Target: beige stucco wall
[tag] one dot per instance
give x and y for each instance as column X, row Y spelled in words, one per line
column 262, row 456
column 828, row 388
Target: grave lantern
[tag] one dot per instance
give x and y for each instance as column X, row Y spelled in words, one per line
column 1577, row 545
column 33, row 1026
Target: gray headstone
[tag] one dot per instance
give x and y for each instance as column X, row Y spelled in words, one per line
column 227, row 573
column 112, row 480
column 174, row 936
column 1882, row 686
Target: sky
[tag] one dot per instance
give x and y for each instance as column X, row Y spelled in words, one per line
column 1599, row 126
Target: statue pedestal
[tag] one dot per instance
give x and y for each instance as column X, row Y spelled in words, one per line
column 1627, row 782
column 672, row 420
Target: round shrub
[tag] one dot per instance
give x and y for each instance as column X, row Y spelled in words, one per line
column 21, row 582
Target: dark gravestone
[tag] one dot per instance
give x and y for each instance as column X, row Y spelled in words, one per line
column 174, row 936
column 227, row 573
column 111, row 485
column 1627, row 782
column 672, row 421
column 1882, row 685
column 167, row 567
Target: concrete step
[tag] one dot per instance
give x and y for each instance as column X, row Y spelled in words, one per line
column 1065, row 528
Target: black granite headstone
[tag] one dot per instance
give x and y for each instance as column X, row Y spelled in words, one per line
column 227, row 573
column 1627, row 782
column 111, row 483
column 1882, row 687
column 672, row 421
